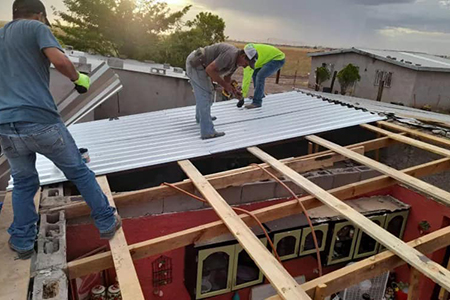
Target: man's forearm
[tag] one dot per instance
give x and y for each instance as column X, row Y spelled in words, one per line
column 216, row 77
column 68, row 70
column 61, row 62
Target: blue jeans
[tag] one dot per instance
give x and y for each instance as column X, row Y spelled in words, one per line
column 259, row 78
column 20, row 142
column 204, row 96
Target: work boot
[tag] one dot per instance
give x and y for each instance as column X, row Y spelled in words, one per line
column 252, row 105
column 21, row 254
column 110, row 234
column 214, row 135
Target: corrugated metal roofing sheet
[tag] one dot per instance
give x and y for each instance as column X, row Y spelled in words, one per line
column 412, row 60
column 166, row 136
column 383, row 107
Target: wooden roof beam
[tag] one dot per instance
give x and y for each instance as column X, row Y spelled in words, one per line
column 374, row 266
column 416, row 133
column 407, row 140
column 281, row 280
column 102, row 261
column 426, row 188
column 229, row 178
column 429, row 268
column 130, row 287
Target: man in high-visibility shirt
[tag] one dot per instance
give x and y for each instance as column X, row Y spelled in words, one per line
column 270, row 60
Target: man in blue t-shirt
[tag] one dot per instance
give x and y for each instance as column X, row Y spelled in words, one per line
column 30, row 123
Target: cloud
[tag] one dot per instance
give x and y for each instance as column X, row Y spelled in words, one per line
column 445, row 3
column 417, row 25
column 379, row 2
column 401, row 31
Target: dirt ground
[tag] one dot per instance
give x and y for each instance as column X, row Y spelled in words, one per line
column 286, row 83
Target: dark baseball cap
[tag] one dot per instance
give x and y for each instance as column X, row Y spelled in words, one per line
column 30, row 7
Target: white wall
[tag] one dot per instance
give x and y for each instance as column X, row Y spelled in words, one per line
column 433, row 89
column 402, row 85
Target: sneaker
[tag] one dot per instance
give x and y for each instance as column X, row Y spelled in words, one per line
column 240, row 103
column 252, row 105
column 214, row 135
column 110, row 234
column 21, row 254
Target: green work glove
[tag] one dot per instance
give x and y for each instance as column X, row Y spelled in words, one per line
column 82, row 83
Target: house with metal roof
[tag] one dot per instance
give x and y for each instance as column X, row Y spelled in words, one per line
column 410, row 78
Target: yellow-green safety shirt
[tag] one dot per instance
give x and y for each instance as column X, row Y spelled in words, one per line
column 266, row 53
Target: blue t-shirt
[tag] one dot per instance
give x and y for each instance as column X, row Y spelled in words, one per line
column 25, row 73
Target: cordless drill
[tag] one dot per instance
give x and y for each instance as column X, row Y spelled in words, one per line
column 228, row 96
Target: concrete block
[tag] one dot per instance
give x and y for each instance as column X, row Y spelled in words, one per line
column 53, row 196
column 367, row 173
column 53, row 191
column 180, row 203
column 158, row 71
column 345, row 176
column 258, row 191
column 52, row 202
column 52, row 246
column 178, row 70
column 232, row 194
column 153, row 207
column 51, row 253
column 322, row 178
column 281, row 192
column 53, row 224
column 115, row 63
column 83, row 67
column 50, row 285
column 82, row 60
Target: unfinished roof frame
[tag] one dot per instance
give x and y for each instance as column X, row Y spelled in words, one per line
column 326, row 284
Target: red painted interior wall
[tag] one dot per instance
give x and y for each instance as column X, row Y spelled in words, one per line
column 84, row 238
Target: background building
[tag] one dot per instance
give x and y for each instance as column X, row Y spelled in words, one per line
column 412, row 79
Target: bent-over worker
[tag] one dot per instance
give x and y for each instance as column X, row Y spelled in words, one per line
column 214, row 63
column 30, row 123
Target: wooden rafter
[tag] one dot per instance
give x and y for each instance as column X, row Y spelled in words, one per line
column 414, row 284
column 374, row 266
column 126, row 273
column 437, row 193
column 283, row 283
column 407, row 140
column 208, row 231
column 416, row 133
column 416, row 259
column 15, row 274
column 229, row 178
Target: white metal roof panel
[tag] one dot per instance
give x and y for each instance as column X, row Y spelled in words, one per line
column 170, row 135
column 383, row 107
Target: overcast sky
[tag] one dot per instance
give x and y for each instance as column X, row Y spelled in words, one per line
column 419, row 25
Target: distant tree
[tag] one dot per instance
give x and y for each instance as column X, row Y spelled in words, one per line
column 137, row 29
column 322, row 75
column 127, row 28
column 347, row 77
column 205, row 29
